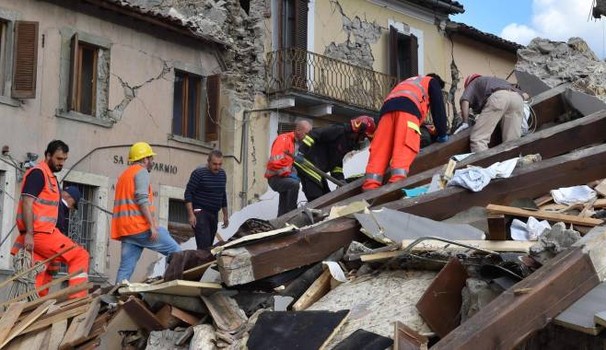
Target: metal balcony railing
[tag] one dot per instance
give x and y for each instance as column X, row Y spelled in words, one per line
column 295, row 69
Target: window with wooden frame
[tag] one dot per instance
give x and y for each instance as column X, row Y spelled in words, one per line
column 293, row 37
column 195, row 106
column 403, row 56
column 83, row 77
column 18, row 58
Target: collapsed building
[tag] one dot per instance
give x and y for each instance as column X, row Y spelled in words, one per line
column 390, row 267
column 378, row 288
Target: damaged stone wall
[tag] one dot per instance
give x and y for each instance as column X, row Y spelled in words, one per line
column 556, row 63
column 225, row 21
column 361, row 34
column 242, row 63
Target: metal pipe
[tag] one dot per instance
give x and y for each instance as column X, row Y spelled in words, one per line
column 244, row 151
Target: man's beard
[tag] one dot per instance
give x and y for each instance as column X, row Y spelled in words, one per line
column 55, row 168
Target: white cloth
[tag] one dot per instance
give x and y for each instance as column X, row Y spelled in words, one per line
column 461, row 127
column 529, row 231
column 472, row 178
column 573, row 195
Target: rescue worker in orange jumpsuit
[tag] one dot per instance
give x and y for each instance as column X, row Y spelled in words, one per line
column 37, row 219
column 134, row 222
column 328, row 147
column 397, row 139
column 280, row 174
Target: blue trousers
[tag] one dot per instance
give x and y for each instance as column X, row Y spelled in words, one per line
column 132, row 247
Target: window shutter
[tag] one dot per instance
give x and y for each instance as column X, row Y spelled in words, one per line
column 25, row 60
column 414, row 55
column 72, row 96
column 393, row 51
column 213, row 91
column 301, row 24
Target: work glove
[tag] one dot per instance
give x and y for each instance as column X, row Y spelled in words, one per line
column 442, row 139
column 294, row 176
column 461, row 127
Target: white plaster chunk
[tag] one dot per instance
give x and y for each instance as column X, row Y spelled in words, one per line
column 376, row 302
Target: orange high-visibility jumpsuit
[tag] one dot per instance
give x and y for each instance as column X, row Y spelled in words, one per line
column 48, row 240
column 397, row 139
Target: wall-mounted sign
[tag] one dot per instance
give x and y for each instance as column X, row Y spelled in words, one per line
column 161, row 167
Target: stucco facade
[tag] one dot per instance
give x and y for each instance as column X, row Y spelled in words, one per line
column 140, row 72
column 141, row 49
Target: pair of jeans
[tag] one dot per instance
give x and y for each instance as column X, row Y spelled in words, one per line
column 133, row 245
column 206, row 229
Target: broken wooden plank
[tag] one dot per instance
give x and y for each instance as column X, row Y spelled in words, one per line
column 580, row 315
column 318, row 289
column 510, row 318
column 529, row 181
column 601, row 188
column 54, row 282
column 47, row 320
column 247, row 264
column 312, row 244
column 196, row 273
column 549, row 143
column 58, row 295
column 30, row 341
column 190, row 303
column 225, row 312
column 174, row 287
column 9, row 318
column 57, row 332
column 80, row 326
column 539, row 214
column 433, row 245
column 440, row 305
column 171, row 317
column 119, row 324
column 141, row 315
column 406, row 338
column 23, row 324
column 35, row 266
column 497, row 227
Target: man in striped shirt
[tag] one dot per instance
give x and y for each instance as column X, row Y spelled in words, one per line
column 205, row 195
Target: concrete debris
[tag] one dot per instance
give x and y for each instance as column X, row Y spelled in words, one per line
column 476, row 294
column 165, row 340
column 553, row 242
column 556, row 63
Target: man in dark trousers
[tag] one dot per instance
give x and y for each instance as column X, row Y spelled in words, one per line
column 205, row 195
column 70, row 197
column 326, row 148
column 280, row 172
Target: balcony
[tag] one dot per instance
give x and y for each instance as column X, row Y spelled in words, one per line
column 296, row 70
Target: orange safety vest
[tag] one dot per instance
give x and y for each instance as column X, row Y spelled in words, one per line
column 127, row 218
column 415, row 89
column 279, row 163
column 46, row 205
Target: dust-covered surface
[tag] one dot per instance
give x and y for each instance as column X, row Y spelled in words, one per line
column 377, row 301
column 557, row 62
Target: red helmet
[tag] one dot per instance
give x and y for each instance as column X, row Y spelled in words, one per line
column 364, row 124
column 469, row 79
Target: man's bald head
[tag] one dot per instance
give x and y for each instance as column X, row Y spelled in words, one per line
column 302, row 127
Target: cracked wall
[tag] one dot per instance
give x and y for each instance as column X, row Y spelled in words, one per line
column 361, row 35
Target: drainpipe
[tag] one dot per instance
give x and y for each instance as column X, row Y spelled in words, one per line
column 244, row 151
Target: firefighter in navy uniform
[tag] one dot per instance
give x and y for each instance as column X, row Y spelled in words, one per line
column 325, row 148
